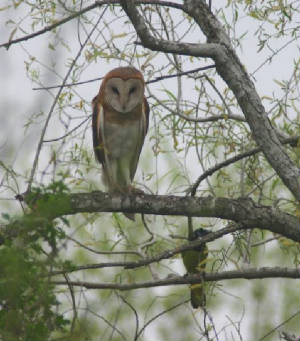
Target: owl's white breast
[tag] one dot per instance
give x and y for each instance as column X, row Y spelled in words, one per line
column 121, row 141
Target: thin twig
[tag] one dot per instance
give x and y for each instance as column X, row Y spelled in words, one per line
column 183, row 73
column 108, row 323
column 192, row 189
column 70, row 132
column 69, row 84
column 157, row 79
column 270, row 57
column 135, row 314
column 159, row 315
column 73, row 302
column 265, row 241
column 146, row 261
column 151, row 239
column 207, row 314
column 190, row 228
column 280, row 325
column 37, row 154
column 230, row 114
column 212, row 118
column 84, row 10
column 50, row 27
column 127, row 252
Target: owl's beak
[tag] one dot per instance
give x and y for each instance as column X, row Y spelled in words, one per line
column 123, row 100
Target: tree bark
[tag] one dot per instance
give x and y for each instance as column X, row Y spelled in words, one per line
column 243, row 211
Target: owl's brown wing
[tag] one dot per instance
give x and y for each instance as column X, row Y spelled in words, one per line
column 143, row 128
column 98, row 142
column 146, row 111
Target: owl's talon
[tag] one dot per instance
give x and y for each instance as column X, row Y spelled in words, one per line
column 133, row 190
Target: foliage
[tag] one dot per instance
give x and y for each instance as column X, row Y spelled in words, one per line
column 29, row 306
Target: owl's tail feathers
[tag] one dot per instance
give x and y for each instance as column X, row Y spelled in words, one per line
column 129, row 216
column 198, row 298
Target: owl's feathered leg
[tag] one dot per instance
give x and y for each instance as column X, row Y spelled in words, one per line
column 117, row 181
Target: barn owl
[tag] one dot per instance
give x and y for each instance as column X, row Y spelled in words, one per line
column 120, row 123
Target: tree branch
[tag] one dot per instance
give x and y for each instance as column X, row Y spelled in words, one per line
column 49, row 115
column 233, row 73
column 243, row 211
column 49, row 28
column 291, row 140
column 280, row 325
column 148, row 41
column 153, row 80
column 154, row 259
column 252, row 273
column 84, row 10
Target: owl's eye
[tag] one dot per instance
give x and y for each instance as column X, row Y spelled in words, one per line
column 115, row 90
column 132, row 90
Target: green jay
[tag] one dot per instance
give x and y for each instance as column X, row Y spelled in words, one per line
column 194, row 261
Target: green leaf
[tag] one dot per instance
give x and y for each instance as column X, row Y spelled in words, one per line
column 5, row 216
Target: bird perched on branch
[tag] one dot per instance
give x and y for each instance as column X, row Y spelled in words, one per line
column 195, row 261
column 120, row 123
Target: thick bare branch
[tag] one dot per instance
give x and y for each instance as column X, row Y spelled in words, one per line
column 244, row 211
column 200, row 50
column 251, row 273
column 234, row 74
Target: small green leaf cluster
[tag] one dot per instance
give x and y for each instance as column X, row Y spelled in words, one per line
column 28, row 304
column 27, row 301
